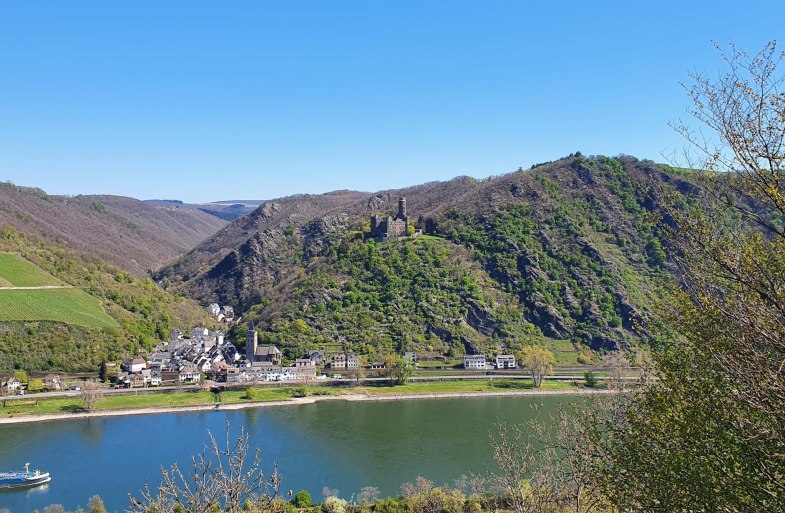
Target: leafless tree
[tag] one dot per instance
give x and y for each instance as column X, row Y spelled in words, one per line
column 222, row 476
column 517, row 459
column 617, row 364
column 368, row 494
column 569, row 460
column 483, row 488
column 91, row 394
column 359, row 373
column 329, row 492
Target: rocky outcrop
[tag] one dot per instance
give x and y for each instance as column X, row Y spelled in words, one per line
column 480, row 319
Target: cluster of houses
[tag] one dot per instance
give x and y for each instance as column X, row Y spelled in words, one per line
column 221, row 313
column 13, row 386
column 180, row 360
column 207, row 354
column 478, row 362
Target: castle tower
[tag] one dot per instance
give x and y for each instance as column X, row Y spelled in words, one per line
column 251, row 342
column 401, row 208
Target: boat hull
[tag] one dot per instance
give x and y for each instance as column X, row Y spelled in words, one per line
column 24, row 481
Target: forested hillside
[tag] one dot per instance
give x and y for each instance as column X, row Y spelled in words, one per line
column 131, row 234
column 105, row 246
column 567, row 251
column 144, row 313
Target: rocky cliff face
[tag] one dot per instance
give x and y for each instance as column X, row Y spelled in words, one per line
column 565, row 251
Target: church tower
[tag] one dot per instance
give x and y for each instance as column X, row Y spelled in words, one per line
column 251, row 342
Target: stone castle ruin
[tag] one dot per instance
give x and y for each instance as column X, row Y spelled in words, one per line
column 391, row 228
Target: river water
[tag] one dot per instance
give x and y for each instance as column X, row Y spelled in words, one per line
column 336, row 444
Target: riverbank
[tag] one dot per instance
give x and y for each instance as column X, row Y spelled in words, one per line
column 293, row 401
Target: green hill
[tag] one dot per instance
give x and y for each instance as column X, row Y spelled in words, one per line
column 568, row 254
column 102, row 314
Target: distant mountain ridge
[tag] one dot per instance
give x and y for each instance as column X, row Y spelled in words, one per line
column 566, row 251
column 129, row 233
column 228, row 210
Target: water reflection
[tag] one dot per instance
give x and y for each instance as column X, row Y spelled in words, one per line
column 92, row 431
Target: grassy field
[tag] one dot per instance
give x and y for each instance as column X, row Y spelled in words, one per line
column 69, row 306
column 262, row 394
column 445, row 387
column 565, row 352
column 436, row 364
column 17, row 272
column 147, row 400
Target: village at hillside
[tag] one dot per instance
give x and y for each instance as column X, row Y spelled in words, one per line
column 209, row 355
column 202, row 354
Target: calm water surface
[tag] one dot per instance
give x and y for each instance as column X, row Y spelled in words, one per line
column 336, row 444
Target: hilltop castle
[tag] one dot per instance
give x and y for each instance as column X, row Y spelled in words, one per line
column 391, row 228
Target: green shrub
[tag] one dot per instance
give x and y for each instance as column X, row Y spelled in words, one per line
column 301, row 391
column 302, row 499
column 389, row 505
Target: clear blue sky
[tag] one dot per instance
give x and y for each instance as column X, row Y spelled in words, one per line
column 218, row 100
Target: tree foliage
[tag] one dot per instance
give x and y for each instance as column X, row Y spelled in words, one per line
column 398, row 368
column 539, row 361
column 708, row 435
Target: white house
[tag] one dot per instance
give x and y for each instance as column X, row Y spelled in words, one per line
column 474, row 361
column 189, row 375
column 506, row 361
column 12, row 385
column 410, row 356
column 352, row 361
column 203, row 364
column 134, row 366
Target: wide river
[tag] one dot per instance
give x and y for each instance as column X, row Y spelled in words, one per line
column 335, row 444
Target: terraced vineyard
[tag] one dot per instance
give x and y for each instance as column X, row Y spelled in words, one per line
column 15, row 271
column 63, row 304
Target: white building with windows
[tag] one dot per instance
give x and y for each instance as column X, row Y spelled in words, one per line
column 506, row 361
column 474, row 361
